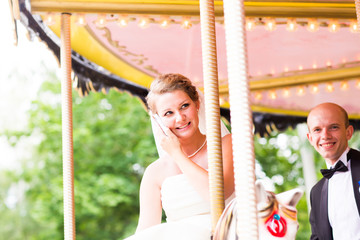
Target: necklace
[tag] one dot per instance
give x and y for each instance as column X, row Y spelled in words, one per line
column 191, row 155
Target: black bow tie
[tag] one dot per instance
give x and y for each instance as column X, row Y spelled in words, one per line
column 328, row 173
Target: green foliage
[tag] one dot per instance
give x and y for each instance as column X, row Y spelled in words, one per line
column 279, row 157
column 355, row 140
column 113, row 144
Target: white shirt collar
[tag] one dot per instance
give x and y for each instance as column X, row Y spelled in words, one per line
column 342, row 158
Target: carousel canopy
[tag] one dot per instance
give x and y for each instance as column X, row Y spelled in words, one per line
column 300, row 53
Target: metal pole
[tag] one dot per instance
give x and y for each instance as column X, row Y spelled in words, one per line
column 357, row 6
column 212, row 109
column 67, row 129
column 307, row 158
column 241, row 119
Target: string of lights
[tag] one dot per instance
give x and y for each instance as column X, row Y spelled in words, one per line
column 186, row 22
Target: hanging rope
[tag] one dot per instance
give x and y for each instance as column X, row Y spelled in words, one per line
column 67, row 129
column 241, row 119
column 212, row 113
column 357, row 6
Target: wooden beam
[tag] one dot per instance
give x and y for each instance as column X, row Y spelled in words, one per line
column 345, row 9
column 301, row 79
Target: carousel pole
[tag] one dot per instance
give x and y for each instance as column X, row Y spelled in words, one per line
column 241, row 119
column 212, row 112
column 67, row 129
column 357, row 6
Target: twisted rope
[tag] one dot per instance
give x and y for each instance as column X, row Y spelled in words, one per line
column 212, row 113
column 67, row 129
column 241, row 119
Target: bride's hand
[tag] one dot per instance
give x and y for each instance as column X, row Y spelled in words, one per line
column 170, row 143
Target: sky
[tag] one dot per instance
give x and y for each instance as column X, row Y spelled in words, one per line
column 20, row 76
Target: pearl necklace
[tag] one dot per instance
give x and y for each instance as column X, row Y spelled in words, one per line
column 191, row 155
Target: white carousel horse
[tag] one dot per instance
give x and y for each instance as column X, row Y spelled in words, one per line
column 276, row 216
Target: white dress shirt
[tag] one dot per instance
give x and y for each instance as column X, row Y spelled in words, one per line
column 342, row 210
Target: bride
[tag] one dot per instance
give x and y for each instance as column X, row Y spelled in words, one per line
column 178, row 181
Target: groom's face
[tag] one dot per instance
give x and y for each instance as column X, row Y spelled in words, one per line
column 328, row 133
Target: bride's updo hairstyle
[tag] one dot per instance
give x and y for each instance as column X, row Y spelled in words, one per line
column 170, row 82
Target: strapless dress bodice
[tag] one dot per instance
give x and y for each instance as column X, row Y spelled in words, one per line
column 187, row 213
column 180, row 200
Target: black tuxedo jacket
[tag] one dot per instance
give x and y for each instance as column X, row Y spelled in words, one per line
column 319, row 220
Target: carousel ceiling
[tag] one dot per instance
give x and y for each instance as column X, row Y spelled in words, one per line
column 300, row 53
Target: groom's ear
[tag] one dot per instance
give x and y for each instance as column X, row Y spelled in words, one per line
column 349, row 132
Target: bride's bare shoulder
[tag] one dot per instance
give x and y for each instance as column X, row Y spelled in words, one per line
column 160, row 163
column 157, row 170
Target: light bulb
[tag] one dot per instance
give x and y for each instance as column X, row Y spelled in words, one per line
column 49, row 19
column 286, row 92
column 344, row 85
column 101, row 21
column 314, row 88
column 123, row 21
column 270, row 24
column 329, row 87
column 272, row 94
column 300, row 91
column 165, row 22
column 143, row 22
column 291, row 25
column 353, row 26
column 357, row 84
column 186, row 23
column 258, row 95
column 333, row 25
column 313, row 25
column 80, row 20
column 250, row 24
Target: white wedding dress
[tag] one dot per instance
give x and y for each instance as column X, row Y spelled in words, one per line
column 187, row 214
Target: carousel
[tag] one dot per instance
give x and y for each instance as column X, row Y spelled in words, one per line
column 262, row 65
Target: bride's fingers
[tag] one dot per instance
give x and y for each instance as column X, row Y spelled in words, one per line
column 170, row 137
column 168, row 132
column 170, row 143
column 173, row 138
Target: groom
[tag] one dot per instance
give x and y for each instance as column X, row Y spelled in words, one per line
column 335, row 199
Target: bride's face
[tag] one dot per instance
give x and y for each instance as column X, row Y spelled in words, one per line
column 178, row 112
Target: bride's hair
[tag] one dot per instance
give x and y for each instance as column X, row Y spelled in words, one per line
column 170, row 82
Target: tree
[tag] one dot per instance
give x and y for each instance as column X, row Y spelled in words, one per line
column 280, row 160
column 279, row 157
column 113, row 144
